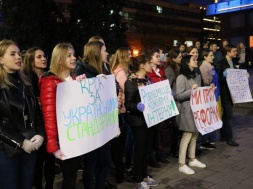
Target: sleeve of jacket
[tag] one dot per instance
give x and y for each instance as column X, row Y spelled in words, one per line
column 206, row 73
column 79, row 70
column 170, row 75
column 131, row 93
column 182, row 93
column 48, row 105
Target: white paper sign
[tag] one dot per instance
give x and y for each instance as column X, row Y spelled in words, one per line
column 87, row 114
column 205, row 110
column 238, row 84
column 159, row 103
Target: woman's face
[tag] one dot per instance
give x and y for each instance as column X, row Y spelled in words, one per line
column 147, row 67
column 11, row 60
column 194, row 52
column 156, row 59
column 178, row 58
column 40, row 60
column 193, row 63
column 70, row 60
column 242, row 46
column 104, row 54
column 209, row 58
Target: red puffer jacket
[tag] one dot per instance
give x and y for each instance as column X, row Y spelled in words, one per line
column 48, row 84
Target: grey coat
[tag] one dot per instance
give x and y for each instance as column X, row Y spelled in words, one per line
column 185, row 119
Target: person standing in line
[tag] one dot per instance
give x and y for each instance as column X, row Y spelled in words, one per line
column 34, row 65
column 171, row 73
column 210, row 77
column 242, row 56
column 226, row 132
column 63, row 62
column 98, row 161
column 185, row 83
column 21, row 126
column 120, row 68
column 141, row 133
column 156, row 154
column 216, row 53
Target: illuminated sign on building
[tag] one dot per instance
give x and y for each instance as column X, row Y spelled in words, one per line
column 229, row 6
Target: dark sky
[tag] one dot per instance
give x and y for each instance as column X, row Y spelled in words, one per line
column 203, row 2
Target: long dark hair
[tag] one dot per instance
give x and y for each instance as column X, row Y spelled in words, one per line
column 185, row 69
column 173, row 53
column 137, row 61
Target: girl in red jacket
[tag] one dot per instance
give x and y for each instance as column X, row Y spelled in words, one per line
column 63, row 62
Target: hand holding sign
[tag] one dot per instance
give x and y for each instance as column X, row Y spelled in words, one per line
column 80, row 77
column 194, row 86
column 140, row 106
column 58, row 154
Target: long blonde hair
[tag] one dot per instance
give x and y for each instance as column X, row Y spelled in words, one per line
column 121, row 57
column 92, row 55
column 4, row 81
column 58, row 58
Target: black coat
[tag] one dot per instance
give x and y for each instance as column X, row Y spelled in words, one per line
column 132, row 98
column 16, row 101
column 224, row 90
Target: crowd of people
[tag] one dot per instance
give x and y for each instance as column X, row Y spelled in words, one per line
column 29, row 145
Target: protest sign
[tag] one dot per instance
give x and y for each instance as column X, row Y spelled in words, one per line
column 205, row 110
column 238, row 84
column 87, row 114
column 159, row 103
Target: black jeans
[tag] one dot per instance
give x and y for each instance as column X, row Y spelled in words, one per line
column 69, row 170
column 226, row 130
column 142, row 145
column 96, row 165
column 49, row 169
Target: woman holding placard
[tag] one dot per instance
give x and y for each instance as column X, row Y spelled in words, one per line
column 141, row 133
column 185, row 83
column 63, row 62
column 96, row 162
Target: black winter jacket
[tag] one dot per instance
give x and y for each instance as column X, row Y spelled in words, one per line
column 16, row 101
column 224, row 90
column 132, row 98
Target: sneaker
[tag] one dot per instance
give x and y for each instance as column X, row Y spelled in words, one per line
column 187, row 170
column 207, row 146
column 142, row 185
column 197, row 163
column 151, row 182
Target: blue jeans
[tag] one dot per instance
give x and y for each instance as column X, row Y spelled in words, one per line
column 17, row 172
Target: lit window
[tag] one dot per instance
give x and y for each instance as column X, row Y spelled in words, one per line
column 250, row 41
column 188, row 43
column 159, row 9
column 112, row 25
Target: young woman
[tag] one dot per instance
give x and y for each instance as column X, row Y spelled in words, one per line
column 63, row 62
column 21, row 126
column 34, row 65
column 133, row 104
column 96, row 162
column 156, row 154
column 171, row 73
column 120, row 68
column 187, row 81
column 209, row 77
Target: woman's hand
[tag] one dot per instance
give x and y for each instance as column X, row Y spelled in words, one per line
column 102, row 75
column 194, row 86
column 58, row 154
column 80, row 77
